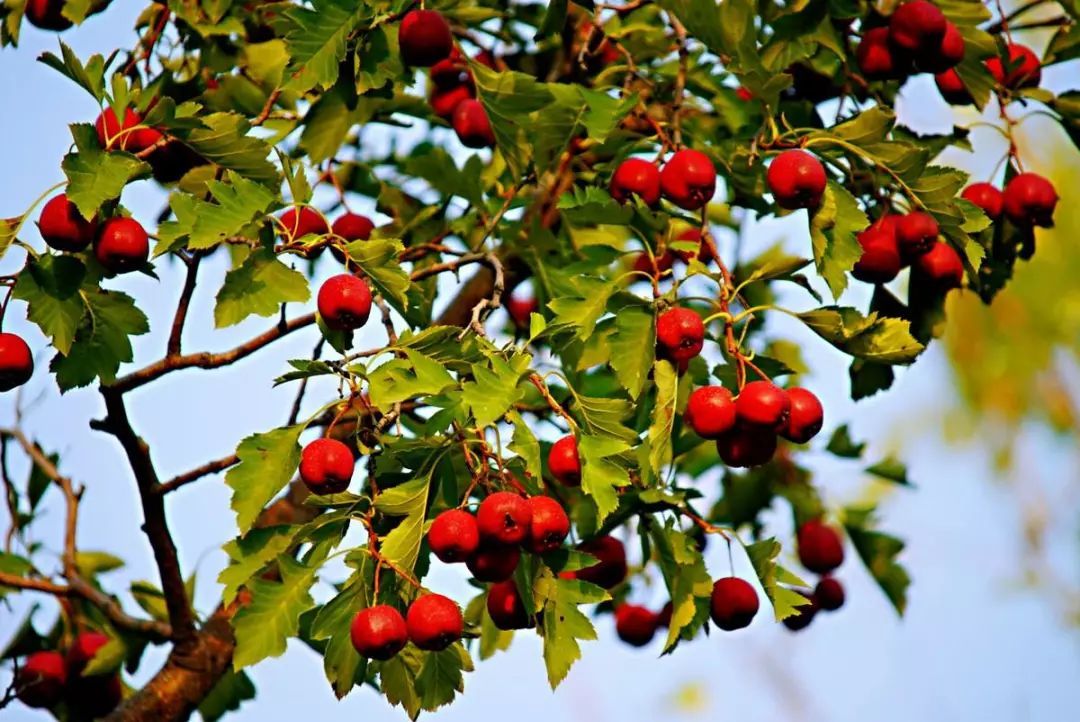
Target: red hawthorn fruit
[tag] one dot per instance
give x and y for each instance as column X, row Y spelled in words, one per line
column 796, row 180
column 733, row 603
column 763, row 405
column 875, row 58
column 63, row 227
column 917, row 27
column 703, row 253
column 47, row 14
column 450, row 72
column 127, row 137
column 744, row 448
column 820, row 548
column 353, row 227
column 610, row 568
column 599, row 47
column 493, row 562
column 916, row 233
column 880, row 259
column 987, row 197
column 1026, row 69
column 506, row 608
column 424, row 38
column 1030, row 200
column 802, row 618
column 710, row 412
column 82, row 650
column 635, row 176
column 829, row 594
column 805, row 417
column 680, row 334
column 743, row 94
column 947, row 55
column 663, row 617
column 940, row 268
column 326, row 466
column 952, row 88
column 121, row 245
column 664, row 262
column 454, row 536
column 688, row 179
column 434, row 622
column 445, row 102
column 504, row 518
column 635, row 624
column 520, row 309
column 472, row 125
column 16, row 362
column 378, row 632
column 41, row 680
column 344, row 302
column 303, row 221
column 549, row 525
column 564, row 462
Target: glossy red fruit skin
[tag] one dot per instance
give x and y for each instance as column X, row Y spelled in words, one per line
column 549, row 525
column 344, row 302
column 664, row 262
column 41, row 679
column 302, row 221
column 745, row 448
column 472, row 125
column 635, row 625
column 680, row 334
column 450, row 72
column 454, row 536
column 1030, row 200
column 506, row 608
column 763, row 405
column 520, row 309
column 801, row 620
column 434, row 622
column 948, row 55
column 326, row 466
column 1027, row 72
column 564, row 462
column 796, row 180
column 880, row 259
column 378, row 632
column 635, row 176
column 688, row 179
column 493, row 562
column 952, row 88
column 875, row 58
column 917, row 27
column 504, row 518
column 445, row 102
column 916, row 233
column 424, row 38
column 805, row 417
column 353, row 227
column 111, row 135
column 987, row 197
column 16, row 362
column 63, row 227
column 121, row 245
column 47, row 14
column 610, row 568
column 710, row 412
column 820, row 548
column 940, row 268
column 829, row 594
column 733, row 603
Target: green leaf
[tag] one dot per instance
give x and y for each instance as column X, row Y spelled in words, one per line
column 239, row 204
column 102, row 341
column 249, row 555
column 91, row 76
column 397, row 680
column 509, row 98
column 599, row 475
column 841, row 444
column 264, row 626
column 873, row 338
column 867, row 378
column 377, row 258
column 834, row 226
column 402, row 545
column 267, row 463
column 563, row 623
column 90, row 563
column 633, row 346
column 604, row 417
column 50, row 285
column 232, row 690
column 878, row 552
column 582, row 312
column 224, row 140
column 785, row 601
column 258, row 287
column 663, row 421
column 688, row 582
column 440, row 678
column 400, row 379
column 317, row 41
column 344, row 667
column 94, row 176
column 890, row 469
column 106, row 659
column 493, row 391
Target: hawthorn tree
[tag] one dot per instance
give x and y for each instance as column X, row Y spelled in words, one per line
column 603, row 160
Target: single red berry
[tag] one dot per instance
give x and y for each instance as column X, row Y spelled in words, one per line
column 746, row 447
column 805, row 417
column 743, row 94
column 940, row 268
column 434, row 622
column 688, row 179
column 83, row 649
column 663, row 262
column 326, row 466
column 493, row 562
column 16, row 362
column 987, row 197
column 378, row 632
column 917, row 27
column 916, row 233
column 1030, row 200
column 564, row 462
column 829, row 594
column 506, row 608
column 520, row 309
column 549, row 525
column 121, row 245
column 802, row 618
column 504, row 518
column 63, row 227
column 733, row 603
column 344, row 302
column 450, row 72
column 128, row 137
column 947, row 55
column 303, row 221
column 41, row 679
column 610, row 567
column 763, row 405
column 445, row 102
column 635, row 625
column 820, row 548
column 880, row 259
column 952, row 88
column 796, row 180
column 1024, row 68
column 472, row 125
column 663, row 617
column 47, row 14
column 876, row 58
column 353, row 227
column 710, row 412
column 635, row 176
column 680, row 334
column 424, row 38
column 454, row 536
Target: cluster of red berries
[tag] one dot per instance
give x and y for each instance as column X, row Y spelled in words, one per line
column 433, row 622
column 918, row 38
column 821, row 550
column 1028, row 200
column 1022, row 70
column 687, row 179
column 49, row 677
column 121, row 244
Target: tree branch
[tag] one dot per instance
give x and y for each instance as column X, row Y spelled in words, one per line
column 172, row 348
column 210, row 467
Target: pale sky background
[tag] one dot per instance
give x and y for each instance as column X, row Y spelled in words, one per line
column 973, row 646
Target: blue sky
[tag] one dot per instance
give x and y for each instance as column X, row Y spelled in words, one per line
column 972, row 647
